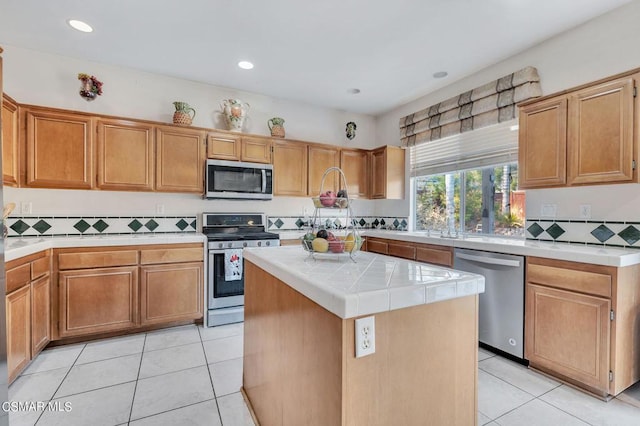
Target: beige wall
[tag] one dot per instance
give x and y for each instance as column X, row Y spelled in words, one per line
column 602, row 47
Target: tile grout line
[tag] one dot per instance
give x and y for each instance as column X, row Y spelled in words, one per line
column 558, row 408
column 206, row 361
column 135, row 387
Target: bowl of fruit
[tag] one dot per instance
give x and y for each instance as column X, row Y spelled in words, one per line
column 326, row 242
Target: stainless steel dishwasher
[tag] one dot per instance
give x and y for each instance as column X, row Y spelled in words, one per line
column 501, row 312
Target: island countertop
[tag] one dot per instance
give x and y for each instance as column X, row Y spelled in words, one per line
column 373, row 283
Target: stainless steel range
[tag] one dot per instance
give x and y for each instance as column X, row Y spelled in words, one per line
column 227, row 235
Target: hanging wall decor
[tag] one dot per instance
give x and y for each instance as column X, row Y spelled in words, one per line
column 90, row 86
column 351, row 130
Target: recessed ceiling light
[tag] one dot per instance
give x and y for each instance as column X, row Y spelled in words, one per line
column 80, row 26
column 354, row 91
column 245, row 65
column 440, row 74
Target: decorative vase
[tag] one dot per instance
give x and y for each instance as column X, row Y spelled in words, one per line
column 276, row 126
column 235, row 111
column 183, row 114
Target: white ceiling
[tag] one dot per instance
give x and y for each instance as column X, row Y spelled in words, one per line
column 308, row 51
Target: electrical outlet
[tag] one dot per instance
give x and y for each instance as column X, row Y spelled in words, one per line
column 26, row 207
column 365, row 336
column 585, row 211
column 159, row 208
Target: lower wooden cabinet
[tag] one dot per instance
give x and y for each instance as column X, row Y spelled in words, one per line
column 581, row 323
column 427, row 253
column 171, row 292
column 98, row 300
column 40, row 314
column 112, row 289
column 18, row 306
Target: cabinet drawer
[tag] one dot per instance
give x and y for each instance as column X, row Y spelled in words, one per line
column 376, row 246
column 171, row 255
column 18, row 277
column 438, row 256
column 570, row 279
column 40, row 267
column 97, row 259
column 405, row 251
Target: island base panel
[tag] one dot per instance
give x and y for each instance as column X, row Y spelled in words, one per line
column 300, row 365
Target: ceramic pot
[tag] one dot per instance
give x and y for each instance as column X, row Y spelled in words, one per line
column 184, row 114
column 234, row 111
column 276, row 126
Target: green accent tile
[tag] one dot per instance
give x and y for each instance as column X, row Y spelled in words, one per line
column 602, row 233
column 135, row 225
column 100, row 225
column 299, row 223
column 278, row 223
column 182, row 224
column 630, row 234
column 82, row 226
column 41, row 226
column 555, row 231
column 362, row 222
column 193, row 224
column 151, row 225
column 396, row 223
column 20, row 227
column 535, row 230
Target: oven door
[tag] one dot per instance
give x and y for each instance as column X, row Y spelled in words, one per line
column 223, row 293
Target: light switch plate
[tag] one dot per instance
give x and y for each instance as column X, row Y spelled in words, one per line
column 585, row 211
column 365, row 336
column 549, row 210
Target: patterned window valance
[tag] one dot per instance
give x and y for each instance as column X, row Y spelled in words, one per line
column 489, row 104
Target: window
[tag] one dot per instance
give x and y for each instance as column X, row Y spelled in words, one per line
column 469, row 182
column 484, row 200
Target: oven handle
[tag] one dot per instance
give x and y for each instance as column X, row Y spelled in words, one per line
column 264, row 180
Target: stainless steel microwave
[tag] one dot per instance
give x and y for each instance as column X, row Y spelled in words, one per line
column 239, row 180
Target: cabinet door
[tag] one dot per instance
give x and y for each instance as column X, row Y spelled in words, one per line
column 320, row 159
column 180, row 160
column 171, row 292
column 377, row 246
column 378, row 173
column 568, row 333
column 387, row 173
column 18, row 305
column 434, row 254
column 59, row 150
column 542, row 144
column 40, row 314
column 355, row 166
column 222, row 146
column 125, row 155
column 9, row 141
column 600, row 145
column 98, row 300
column 289, row 168
column 256, row 150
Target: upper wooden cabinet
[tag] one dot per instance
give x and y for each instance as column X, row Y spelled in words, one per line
column 600, row 141
column 580, row 137
column 387, row 172
column 180, row 157
column 125, row 155
column 9, row 141
column 542, row 159
column 289, row 168
column 59, row 149
column 234, row 147
column 355, row 166
column 321, row 157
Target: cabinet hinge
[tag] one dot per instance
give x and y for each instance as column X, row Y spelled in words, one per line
column 633, row 164
column 610, row 376
column 612, row 315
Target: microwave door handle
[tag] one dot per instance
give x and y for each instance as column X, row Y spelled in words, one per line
column 264, row 181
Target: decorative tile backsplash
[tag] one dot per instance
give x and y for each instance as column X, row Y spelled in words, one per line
column 592, row 232
column 296, row 223
column 55, row 226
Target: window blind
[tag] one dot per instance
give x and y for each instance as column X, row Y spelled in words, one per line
column 497, row 144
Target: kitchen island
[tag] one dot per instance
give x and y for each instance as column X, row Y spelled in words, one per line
column 299, row 340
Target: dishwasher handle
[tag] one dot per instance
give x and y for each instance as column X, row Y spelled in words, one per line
column 489, row 260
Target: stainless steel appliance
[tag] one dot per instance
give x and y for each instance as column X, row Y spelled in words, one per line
column 238, row 180
column 501, row 322
column 225, row 231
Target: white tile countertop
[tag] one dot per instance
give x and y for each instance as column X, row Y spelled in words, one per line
column 15, row 248
column 374, row 283
column 599, row 255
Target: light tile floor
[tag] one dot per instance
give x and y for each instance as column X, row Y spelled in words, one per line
column 192, row 375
